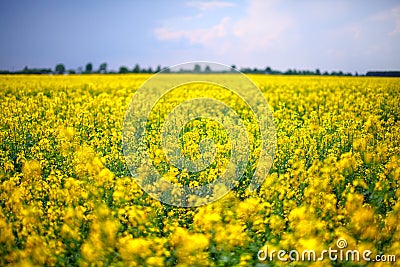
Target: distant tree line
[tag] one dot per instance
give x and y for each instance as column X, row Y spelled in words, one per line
column 384, row 73
column 26, row 70
column 269, row 70
column 89, row 69
column 103, row 69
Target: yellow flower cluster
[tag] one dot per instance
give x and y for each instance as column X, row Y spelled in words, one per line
column 67, row 198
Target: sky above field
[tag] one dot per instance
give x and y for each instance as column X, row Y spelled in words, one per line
column 329, row 35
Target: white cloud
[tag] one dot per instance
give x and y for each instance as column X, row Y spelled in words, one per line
column 287, row 35
column 370, row 42
column 391, row 16
column 210, row 5
column 396, row 14
column 203, row 36
column 261, row 28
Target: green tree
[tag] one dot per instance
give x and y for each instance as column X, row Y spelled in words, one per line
column 103, row 68
column 197, row 68
column 60, row 69
column 207, row 69
column 89, row 68
column 136, row 69
column 123, row 70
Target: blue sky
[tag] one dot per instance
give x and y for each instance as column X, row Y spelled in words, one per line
column 329, row 35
